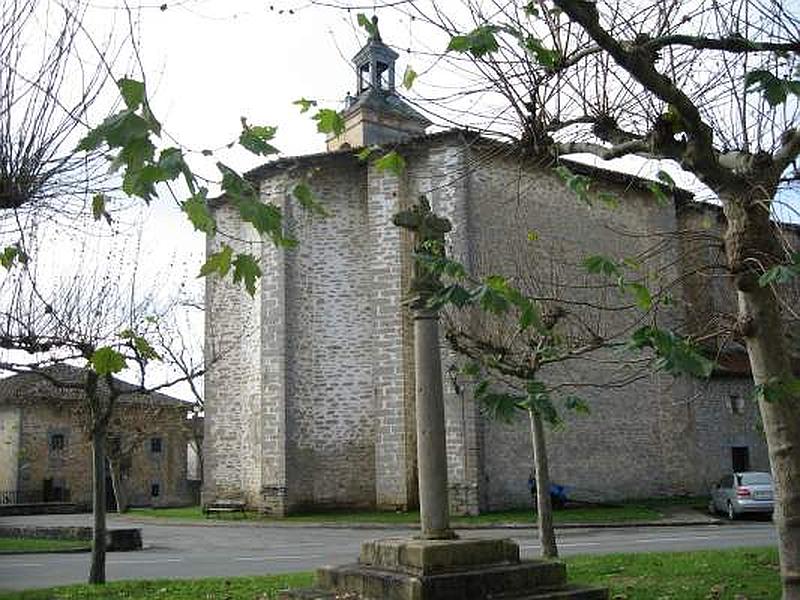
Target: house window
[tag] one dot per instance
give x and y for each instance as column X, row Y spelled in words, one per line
column 57, row 442
column 155, row 489
column 155, row 445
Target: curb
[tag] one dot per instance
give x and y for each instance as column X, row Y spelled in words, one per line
column 409, row 526
column 65, row 551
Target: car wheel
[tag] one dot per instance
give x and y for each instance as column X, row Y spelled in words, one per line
column 731, row 513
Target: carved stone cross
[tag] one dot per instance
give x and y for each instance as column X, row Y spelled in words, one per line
column 429, row 230
column 429, row 233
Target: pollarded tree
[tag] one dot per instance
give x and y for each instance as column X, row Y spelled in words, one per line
column 540, row 332
column 711, row 86
column 94, row 325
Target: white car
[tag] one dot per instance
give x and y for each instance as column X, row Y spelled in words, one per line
column 745, row 492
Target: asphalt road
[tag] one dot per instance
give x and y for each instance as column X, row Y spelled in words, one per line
column 220, row 549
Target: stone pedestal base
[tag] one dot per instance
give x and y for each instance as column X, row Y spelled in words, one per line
column 462, row 569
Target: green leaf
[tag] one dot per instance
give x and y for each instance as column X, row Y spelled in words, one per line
column 532, row 236
column 544, row 56
column 608, row 199
column 308, row 200
column 479, row 42
column 578, row 184
column 658, row 191
column 12, row 253
column 132, row 92
column 491, row 300
column 498, row 406
column 642, row 295
column 234, row 185
column 774, row 89
column 601, row 265
column 778, row 390
column 196, row 208
column 172, row 165
column 329, row 121
column 666, row 179
column 674, row 354
column 577, row 405
column 218, row 262
column 255, row 138
column 454, row 294
column 99, row 208
column 140, row 345
column 531, row 9
column 264, row 217
column 781, row 273
column 530, row 316
column 107, row 361
column 305, row 104
column 408, row 77
column 365, row 22
column 246, row 269
column 392, row 162
column 365, row 153
column 777, row 274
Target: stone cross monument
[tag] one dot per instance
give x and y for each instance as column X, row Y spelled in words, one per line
column 429, row 230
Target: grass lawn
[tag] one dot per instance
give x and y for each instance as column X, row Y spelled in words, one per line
column 613, row 514
column 10, row 545
column 750, row 574
column 218, row 588
column 708, row 575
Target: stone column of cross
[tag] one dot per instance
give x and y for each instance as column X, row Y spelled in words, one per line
column 429, row 230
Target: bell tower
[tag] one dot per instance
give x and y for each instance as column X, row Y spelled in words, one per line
column 377, row 114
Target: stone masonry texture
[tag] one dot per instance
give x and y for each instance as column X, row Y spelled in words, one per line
column 310, row 387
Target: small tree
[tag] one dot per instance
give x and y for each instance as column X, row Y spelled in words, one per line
column 520, row 329
column 96, row 323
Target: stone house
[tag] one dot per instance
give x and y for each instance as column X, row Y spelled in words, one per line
column 310, row 396
column 45, row 452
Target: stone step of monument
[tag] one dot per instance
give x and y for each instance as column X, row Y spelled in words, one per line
column 482, row 583
column 567, row 592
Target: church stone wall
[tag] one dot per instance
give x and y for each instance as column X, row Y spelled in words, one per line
column 312, row 403
column 633, row 442
column 330, row 417
column 232, row 444
column 393, row 374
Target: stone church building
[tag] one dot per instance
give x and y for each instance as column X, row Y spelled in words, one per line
column 310, row 388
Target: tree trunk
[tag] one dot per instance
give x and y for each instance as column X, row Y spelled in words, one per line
column 97, row 573
column 751, row 239
column 118, row 485
column 547, row 535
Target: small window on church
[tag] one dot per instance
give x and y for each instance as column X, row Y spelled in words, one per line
column 363, row 77
column 383, row 76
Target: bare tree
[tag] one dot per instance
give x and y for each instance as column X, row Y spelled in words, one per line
column 518, row 362
column 44, row 110
column 100, row 323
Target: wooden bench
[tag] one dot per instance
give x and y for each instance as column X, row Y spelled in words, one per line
column 221, row 507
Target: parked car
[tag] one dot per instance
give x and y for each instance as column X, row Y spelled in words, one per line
column 746, row 492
